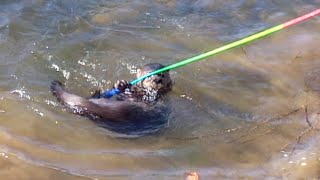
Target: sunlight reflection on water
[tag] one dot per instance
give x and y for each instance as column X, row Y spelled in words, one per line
column 230, row 113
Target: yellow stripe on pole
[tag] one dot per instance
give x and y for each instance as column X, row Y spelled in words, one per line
column 233, row 44
column 213, row 52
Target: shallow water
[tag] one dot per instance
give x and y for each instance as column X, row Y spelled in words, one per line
column 240, row 114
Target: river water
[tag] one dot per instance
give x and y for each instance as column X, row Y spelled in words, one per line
column 249, row 113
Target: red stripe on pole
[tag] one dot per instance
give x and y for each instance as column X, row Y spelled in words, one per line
column 231, row 45
column 302, row 18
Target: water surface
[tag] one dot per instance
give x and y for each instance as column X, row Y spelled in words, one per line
column 241, row 114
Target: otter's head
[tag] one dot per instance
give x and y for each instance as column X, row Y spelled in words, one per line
column 160, row 82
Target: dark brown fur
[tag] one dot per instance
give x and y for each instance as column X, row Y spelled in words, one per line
column 128, row 112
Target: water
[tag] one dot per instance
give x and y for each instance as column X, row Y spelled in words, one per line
column 222, row 108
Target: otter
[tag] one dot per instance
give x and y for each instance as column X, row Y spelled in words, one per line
column 136, row 110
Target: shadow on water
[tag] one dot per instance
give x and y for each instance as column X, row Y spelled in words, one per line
column 251, row 112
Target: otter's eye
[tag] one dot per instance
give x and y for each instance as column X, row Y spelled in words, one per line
column 158, row 81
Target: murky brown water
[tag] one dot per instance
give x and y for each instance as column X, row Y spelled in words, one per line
column 221, row 125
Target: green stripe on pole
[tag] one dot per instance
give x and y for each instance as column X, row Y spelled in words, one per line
column 233, row 44
column 213, row 52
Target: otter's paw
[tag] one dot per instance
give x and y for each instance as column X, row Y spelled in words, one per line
column 56, row 87
column 96, row 94
column 122, row 85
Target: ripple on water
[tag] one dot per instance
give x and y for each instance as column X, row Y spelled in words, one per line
column 43, row 155
column 4, row 21
column 89, row 44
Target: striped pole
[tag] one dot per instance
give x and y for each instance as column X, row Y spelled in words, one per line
column 237, row 43
column 232, row 45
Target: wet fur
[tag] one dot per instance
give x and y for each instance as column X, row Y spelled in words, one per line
column 127, row 117
column 111, row 110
